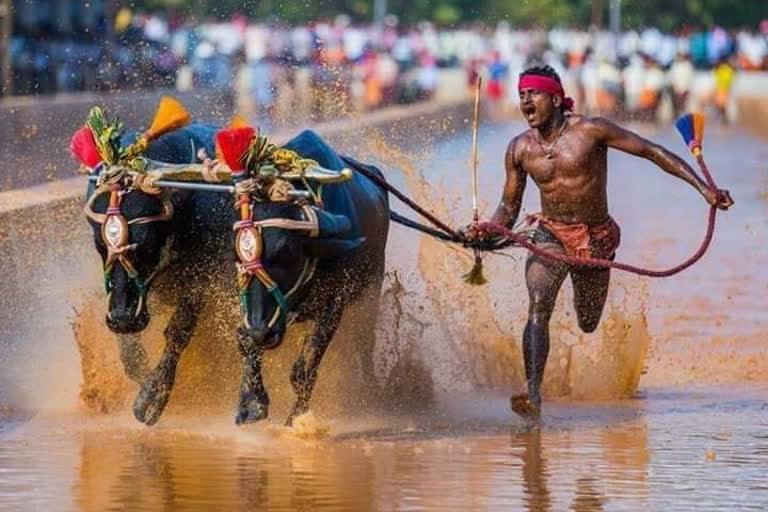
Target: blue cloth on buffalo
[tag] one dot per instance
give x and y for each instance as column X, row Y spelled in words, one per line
column 340, row 198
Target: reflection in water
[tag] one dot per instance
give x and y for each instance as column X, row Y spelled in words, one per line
column 628, row 455
column 587, row 498
column 399, row 468
column 535, row 473
column 616, row 464
column 253, row 479
column 168, row 471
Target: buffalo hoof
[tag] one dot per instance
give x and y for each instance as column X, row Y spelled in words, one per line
column 252, row 408
column 299, row 408
column 151, row 400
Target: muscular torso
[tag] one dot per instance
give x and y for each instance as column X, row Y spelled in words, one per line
column 572, row 184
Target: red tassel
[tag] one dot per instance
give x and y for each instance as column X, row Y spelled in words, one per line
column 233, row 143
column 83, row 148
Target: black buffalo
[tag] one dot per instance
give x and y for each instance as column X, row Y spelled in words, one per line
column 197, row 233
column 347, row 258
column 349, row 252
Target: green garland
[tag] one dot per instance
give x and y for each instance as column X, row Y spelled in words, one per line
column 265, row 160
column 106, row 134
column 258, row 158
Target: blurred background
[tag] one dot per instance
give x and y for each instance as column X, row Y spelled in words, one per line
column 390, row 82
column 640, row 59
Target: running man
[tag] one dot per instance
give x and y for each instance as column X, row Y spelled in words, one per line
column 566, row 156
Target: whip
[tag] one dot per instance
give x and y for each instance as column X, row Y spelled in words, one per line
column 475, row 275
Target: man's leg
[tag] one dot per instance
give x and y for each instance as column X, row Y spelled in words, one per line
column 543, row 279
column 590, row 289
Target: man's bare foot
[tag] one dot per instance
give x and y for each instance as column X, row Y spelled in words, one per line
column 522, row 406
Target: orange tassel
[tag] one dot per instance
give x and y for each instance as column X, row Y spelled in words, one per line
column 238, row 122
column 171, row 115
column 698, row 127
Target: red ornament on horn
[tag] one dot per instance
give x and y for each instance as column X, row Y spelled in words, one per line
column 233, row 143
column 84, row 149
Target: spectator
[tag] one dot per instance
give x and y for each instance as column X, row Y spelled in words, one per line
column 724, row 75
column 386, row 63
column 497, row 75
column 634, row 81
column 681, row 80
column 653, row 84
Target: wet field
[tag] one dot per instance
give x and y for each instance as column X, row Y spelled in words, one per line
column 662, row 408
column 692, row 450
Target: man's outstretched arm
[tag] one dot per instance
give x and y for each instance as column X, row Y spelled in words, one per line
column 624, row 140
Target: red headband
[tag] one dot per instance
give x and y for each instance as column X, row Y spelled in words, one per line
column 545, row 84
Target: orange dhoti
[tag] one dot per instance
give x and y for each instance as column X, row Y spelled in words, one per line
column 579, row 240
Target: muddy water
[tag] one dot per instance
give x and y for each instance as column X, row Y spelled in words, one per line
column 663, row 407
column 691, row 450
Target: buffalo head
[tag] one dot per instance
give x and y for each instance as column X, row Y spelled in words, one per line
column 279, row 255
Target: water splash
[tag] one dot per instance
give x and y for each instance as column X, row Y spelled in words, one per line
column 470, row 335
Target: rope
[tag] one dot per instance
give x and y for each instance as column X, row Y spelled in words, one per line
column 601, row 263
column 405, row 221
column 512, row 237
column 517, row 239
column 381, row 182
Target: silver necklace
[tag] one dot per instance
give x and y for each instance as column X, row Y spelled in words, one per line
column 550, row 149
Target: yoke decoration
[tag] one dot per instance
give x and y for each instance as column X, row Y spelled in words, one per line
column 100, row 137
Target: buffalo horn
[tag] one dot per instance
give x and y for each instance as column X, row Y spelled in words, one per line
column 194, row 172
column 320, row 175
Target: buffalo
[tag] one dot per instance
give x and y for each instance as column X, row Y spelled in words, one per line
column 297, row 274
column 138, row 229
column 313, row 251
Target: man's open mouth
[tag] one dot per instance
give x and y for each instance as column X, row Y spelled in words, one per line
column 529, row 110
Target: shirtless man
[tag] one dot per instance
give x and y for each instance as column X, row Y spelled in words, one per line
column 566, row 156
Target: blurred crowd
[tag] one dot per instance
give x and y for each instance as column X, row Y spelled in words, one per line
column 320, row 69
column 633, row 74
column 326, row 67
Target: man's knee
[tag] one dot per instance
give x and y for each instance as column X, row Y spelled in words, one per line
column 589, row 324
column 588, row 315
column 589, row 301
column 540, row 309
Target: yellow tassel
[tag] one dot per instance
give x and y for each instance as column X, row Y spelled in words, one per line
column 171, row 115
column 475, row 276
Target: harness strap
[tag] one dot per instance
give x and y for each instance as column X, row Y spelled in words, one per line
column 250, row 268
column 100, row 218
column 282, row 304
column 293, row 225
column 117, row 251
column 306, row 275
column 166, row 215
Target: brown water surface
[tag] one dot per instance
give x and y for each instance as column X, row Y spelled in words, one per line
column 694, row 450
